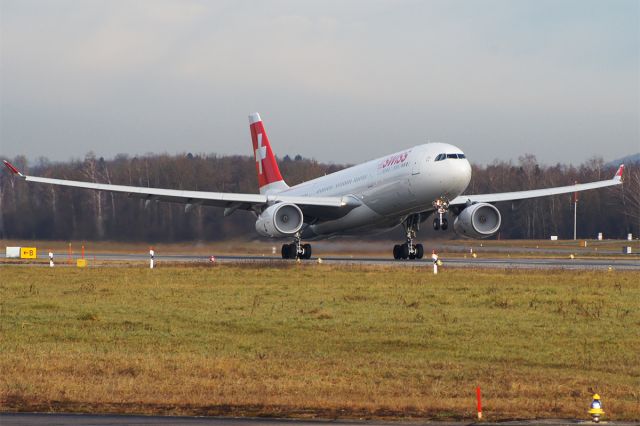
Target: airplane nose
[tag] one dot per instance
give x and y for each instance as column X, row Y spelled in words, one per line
column 463, row 174
column 466, row 174
column 455, row 177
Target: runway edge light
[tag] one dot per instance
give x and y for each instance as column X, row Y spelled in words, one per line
column 595, row 409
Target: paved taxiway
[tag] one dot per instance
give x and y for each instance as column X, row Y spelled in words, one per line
column 632, row 263
column 35, row 419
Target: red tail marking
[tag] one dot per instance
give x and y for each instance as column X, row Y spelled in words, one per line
column 266, row 166
column 620, row 170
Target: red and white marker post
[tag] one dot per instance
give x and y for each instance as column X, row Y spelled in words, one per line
column 479, row 400
column 434, row 257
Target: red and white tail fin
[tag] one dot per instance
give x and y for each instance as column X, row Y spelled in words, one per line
column 269, row 177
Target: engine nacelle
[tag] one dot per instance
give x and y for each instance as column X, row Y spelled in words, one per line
column 479, row 220
column 280, row 220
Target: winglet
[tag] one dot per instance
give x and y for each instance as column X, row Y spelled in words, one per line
column 13, row 168
column 618, row 176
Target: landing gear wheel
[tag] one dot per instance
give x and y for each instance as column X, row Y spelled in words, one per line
column 404, row 251
column 445, row 224
column 397, row 252
column 288, row 251
column 436, row 224
column 307, row 251
column 419, row 251
column 296, row 250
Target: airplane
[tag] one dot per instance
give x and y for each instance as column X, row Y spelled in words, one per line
column 400, row 189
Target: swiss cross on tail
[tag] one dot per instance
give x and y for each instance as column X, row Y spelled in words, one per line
column 261, row 153
column 269, row 177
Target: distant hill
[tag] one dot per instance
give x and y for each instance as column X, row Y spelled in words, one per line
column 629, row 159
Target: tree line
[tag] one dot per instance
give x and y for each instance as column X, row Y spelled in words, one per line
column 37, row 211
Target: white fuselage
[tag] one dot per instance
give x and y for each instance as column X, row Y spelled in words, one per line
column 389, row 188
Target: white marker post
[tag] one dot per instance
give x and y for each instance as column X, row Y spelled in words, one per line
column 575, row 214
column 151, row 255
column 50, row 259
column 434, row 257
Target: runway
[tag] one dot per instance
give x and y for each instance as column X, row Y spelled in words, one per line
column 37, row 419
column 456, row 262
column 502, row 262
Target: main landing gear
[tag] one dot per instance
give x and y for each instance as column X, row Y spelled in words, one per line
column 296, row 250
column 441, row 206
column 409, row 250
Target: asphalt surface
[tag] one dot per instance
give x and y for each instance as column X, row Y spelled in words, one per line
column 596, row 263
column 36, row 419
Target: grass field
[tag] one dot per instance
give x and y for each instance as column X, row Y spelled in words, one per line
column 319, row 341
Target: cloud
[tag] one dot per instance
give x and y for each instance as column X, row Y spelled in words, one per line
column 362, row 78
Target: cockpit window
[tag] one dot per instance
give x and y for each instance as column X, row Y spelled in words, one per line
column 441, row 157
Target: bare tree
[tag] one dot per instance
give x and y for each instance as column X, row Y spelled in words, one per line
column 90, row 171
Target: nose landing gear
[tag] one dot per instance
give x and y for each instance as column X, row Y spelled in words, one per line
column 409, row 250
column 440, row 223
column 441, row 205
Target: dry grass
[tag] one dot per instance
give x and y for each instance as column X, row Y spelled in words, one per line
column 319, row 340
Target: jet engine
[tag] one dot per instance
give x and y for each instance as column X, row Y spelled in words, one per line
column 280, row 220
column 479, row 220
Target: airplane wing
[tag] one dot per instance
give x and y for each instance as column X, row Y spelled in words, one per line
column 521, row 195
column 230, row 201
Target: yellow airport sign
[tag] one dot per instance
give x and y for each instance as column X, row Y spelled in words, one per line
column 28, row 253
column 81, row 263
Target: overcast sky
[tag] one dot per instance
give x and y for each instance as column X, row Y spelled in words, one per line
column 339, row 81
